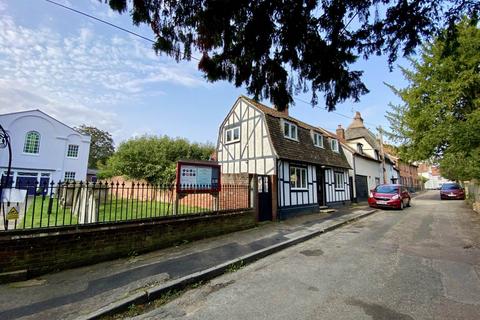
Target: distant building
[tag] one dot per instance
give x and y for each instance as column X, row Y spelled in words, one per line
column 43, row 150
column 432, row 173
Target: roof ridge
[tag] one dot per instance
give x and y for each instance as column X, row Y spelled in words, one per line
column 278, row 114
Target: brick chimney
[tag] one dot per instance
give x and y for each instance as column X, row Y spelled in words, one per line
column 340, row 133
column 285, row 111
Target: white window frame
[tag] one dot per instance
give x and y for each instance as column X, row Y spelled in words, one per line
column 27, row 142
column 339, row 180
column 334, row 142
column 317, row 140
column 69, row 176
column 73, row 149
column 292, row 131
column 298, row 183
column 231, row 132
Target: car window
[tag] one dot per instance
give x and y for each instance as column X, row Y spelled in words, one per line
column 450, row 186
column 386, row 189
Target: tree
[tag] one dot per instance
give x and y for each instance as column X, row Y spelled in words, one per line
column 439, row 119
column 276, row 48
column 153, row 158
column 101, row 145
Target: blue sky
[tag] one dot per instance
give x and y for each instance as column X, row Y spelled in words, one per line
column 84, row 72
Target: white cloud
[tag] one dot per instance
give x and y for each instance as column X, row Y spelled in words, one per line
column 72, row 76
column 15, row 96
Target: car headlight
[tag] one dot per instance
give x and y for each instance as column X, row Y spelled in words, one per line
column 371, row 194
column 395, row 197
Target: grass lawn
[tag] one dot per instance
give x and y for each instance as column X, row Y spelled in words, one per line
column 37, row 212
column 112, row 210
column 119, row 209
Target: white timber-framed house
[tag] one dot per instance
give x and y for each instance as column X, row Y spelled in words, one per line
column 300, row 167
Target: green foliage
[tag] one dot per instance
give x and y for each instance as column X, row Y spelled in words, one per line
column 101, row 145
column 440, row 118
column 275, row 48
column 153, row 158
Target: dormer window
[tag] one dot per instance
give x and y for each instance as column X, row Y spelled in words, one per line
column 317, row 139
column 360, row 148
column 290, row 130
column 232, row 135
column 334, row 145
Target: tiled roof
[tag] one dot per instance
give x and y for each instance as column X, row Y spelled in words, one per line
column 302, row 150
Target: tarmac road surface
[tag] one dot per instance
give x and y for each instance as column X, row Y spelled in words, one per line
column 419, row 263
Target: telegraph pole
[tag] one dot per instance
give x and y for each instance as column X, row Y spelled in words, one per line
column 380, row 133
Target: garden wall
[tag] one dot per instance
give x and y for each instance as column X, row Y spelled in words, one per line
column 473, row 193
column 42, row 251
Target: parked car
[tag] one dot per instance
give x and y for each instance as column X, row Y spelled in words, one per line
column 389, row 196
column 452, row 191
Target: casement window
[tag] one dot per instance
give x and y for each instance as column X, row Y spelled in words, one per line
column 298, row 178
column 232, row 135
column 290, row 130
column 334, row 145
column 72, row 151
column 317, row 140
column 32, row 142
column 339, row 180
column 69, row 176
column 360, row 148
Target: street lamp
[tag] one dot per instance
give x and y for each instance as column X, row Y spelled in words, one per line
column 5, row 143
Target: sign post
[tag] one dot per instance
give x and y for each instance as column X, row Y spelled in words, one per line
column 197, row 177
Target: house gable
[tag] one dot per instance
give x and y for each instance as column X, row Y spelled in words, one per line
column 253, row 151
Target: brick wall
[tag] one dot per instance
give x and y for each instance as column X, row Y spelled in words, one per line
column 233, row 195
column 42, row 251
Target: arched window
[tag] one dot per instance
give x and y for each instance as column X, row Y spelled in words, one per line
column 32, row 142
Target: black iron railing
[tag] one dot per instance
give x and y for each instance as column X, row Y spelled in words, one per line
column 75, row 203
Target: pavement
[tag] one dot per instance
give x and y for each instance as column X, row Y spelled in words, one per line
column 93, row 291
column 419, row 263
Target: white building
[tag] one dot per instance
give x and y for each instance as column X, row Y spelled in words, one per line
column 300, row 167
column 368, row 166
column 364, row 172
column 43, row 149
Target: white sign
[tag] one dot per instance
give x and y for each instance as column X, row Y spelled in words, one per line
column 188, row 175
column 13, row 195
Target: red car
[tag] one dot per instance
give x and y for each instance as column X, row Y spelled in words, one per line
column 452, row 191
column 389, row 196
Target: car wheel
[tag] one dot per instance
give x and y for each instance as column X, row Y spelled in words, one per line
column 408, row 203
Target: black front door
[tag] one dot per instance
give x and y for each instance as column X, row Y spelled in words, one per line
column 320, row 187
column 264, row 198
column 361, row 185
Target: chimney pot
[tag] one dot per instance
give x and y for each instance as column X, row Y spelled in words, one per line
column 341, row 132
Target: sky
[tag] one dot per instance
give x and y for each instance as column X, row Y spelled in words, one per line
column 83, row 72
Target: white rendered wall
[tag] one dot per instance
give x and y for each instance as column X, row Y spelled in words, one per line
column 54, row 140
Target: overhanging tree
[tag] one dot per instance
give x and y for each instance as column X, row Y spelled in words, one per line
column 439, row 119
column 276, row 48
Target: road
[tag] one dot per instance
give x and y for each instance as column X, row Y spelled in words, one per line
column 420, row 263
